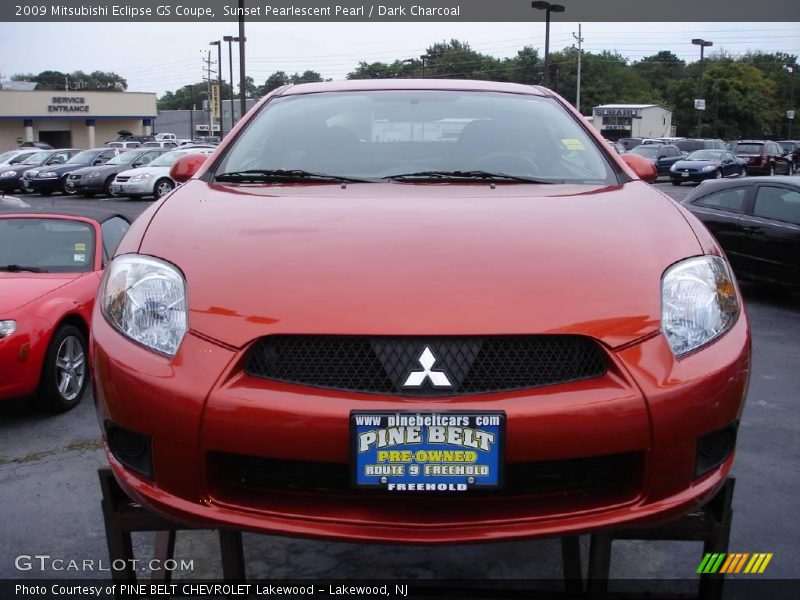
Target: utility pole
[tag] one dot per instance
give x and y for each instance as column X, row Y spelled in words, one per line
column 579, row 39
column 242, row 77
column 209, row 83
column 191, row 111
column 791, row 115
column 218, row 44
column 230, row 39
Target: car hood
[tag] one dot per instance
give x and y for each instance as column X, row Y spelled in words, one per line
column 697, row 164
column 60, row 169
column 417, row 259
column 149, row 170
column 19, row 289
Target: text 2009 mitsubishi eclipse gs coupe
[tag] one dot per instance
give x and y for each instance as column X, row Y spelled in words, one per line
column 418, row 311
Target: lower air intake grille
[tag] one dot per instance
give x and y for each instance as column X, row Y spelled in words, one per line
column 426, row 366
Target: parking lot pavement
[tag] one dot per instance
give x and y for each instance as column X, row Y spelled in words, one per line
column 50, row 496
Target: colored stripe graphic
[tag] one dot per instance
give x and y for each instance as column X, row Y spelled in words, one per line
column 734, row 562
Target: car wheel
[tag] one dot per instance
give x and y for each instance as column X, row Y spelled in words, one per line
column 743, row 172
column 675, row 182
column 66, row 190
column 772, row 169
column 163, row 187
column 719, row 174
column 107, row 186
column 66, row 371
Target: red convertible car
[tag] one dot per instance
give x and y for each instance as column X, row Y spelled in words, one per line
column 50, row 267
column 419, row 311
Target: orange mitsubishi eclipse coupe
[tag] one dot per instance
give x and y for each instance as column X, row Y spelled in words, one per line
column 418, row 311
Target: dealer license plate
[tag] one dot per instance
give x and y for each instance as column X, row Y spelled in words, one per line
column 427, row 451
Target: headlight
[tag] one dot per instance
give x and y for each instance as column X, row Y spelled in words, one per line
column 141, row 177
column 7, row 328
column 8, row 174
column 145, row 299
column 93, row 175
column 47, row 174
column 699, row 302
column 709, row 168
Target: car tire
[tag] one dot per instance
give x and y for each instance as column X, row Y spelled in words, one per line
column 65, row 373
column 772, row 170
column 65, row 190
column 107, row 186
column 718, row 175
column 743, row 172
column 162, row 188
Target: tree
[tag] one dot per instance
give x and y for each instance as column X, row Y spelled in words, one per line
column 274, row 81
column 190, row 96
column 78, row 80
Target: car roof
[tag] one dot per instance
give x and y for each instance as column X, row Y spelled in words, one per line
column 721, row 184
column 98, row 214
column 412, row 84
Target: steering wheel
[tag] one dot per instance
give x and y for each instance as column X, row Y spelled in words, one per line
column 501, row 161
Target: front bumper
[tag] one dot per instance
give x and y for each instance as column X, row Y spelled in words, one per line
column 43, row 185
column 86, row 185
column 9, row 184
column 201, row 402
column 693, row 177
column 132, row 188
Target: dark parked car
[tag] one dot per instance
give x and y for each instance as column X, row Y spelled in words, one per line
column 54, row 179
column 630, row 143
column 11, row 177
column 663, row 155
column 97, row 179
column 707, row 164
column 764, row 157
column 40, row 145
column 757, row 222
column 690, row 145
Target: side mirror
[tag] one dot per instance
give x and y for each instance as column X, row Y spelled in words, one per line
column 186, row 166
column 643, row 168
column 138, row 163
column 97, row 161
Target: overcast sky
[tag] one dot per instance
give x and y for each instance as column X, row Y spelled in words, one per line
column 165, row 56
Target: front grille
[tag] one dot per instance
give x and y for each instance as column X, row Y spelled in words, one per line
column 384, row 365
column 228, row 471
column 122, row 179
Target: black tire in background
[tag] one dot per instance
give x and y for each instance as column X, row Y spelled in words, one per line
column 65, row 373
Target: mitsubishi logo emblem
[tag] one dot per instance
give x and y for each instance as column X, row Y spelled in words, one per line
column 417, row 378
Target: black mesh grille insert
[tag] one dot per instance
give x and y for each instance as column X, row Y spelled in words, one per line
column 578, row 474
column 426, row 366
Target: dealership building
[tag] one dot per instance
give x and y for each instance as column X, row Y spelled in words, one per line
column 72, row 119
column 615, row 121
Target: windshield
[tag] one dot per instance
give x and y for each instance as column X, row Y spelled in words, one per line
column 379, row 134
column 125, row 158
column 784, row 145
column 647, row 150
column 705, row 155
column 36, row 158
column 55, row 245
column 749, row 148
column 6, row 156
column 83, row 158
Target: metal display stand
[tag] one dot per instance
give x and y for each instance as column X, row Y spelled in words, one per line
column 709, row 524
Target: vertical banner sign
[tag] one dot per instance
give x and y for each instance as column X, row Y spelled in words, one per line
column 215, row 101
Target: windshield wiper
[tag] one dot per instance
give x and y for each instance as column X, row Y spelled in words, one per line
column 18, row 268
column 283, row 175
column 460, row 175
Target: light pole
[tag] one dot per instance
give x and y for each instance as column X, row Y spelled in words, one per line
column 548, row 8
column 703, row 45
column 793, row 71
column 229, row 39
column 242, row 77
column 218, row 44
